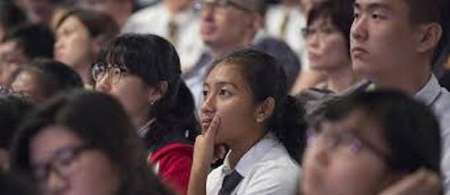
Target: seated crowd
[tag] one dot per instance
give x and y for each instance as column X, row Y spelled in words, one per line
column 224, row 97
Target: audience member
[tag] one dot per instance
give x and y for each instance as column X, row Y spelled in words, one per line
column 83, row 143
column 80, row 34
column 394, row 44
column 21, row 45
column 229, row 25
column 143, row 73
column 247, row 109
column 381, row 140
column 42, row 79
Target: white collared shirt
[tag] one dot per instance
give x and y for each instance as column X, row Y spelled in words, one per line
column 267, row 169
column 438, row 99
column 155, row 19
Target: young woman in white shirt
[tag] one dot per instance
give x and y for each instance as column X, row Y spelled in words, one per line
column 247, row 109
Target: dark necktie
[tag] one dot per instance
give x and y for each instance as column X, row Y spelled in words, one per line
column 230, row 182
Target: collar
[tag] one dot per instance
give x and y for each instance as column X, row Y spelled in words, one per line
column 251, row 157
column 430, row 92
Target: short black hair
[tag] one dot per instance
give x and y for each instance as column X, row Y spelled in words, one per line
column 36, row 40
column 431, row 11
column 410, row 128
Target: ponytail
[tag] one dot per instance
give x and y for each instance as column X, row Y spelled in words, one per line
column 289, row 126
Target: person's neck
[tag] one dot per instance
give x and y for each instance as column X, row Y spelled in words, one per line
column 239, row 149
column 410, row 81
column 341, row 79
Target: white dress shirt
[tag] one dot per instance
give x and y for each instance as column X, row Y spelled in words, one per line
column 438, row 98
column 267, row 169
column 155, row 20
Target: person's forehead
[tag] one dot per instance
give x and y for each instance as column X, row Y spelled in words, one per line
column 394, row 5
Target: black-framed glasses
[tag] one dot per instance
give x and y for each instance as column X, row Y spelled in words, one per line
column 113, row 72
column 203, row 4
column 345, row 142
column 61, row 163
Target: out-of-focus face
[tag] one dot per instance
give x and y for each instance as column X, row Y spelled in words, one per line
column 131, row 91
column 382, row 39
column 74, row 44
column 326, row 46
column 346, row 157
column 225, row 26
column 228, row 96
column 39, row 11
column 11, row 57
column 63, row 165
column 29, row 85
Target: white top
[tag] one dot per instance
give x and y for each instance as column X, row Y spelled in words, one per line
column 438, row 98
column 155, row 19
column 267, row 169
column 275, row 17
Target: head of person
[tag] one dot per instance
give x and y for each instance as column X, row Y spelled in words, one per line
column 119, row 10
column 10, row 17
column 247, row 90
column 23, row 44
column 372, row 139
column 83, row 143
column 44, row 78
column 230, row 23
column 13, row 110
column 388, row 37
column 327, row 34
column 143, row 72
column 80, row 34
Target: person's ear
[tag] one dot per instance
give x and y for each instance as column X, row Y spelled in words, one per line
column 156, row 93
column 265, row 109
column 428, row 37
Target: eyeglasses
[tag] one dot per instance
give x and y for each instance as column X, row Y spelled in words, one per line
column 100, row 72
column 61, row 163
column 201, row 5
column 321, row 31
column 344, row 142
